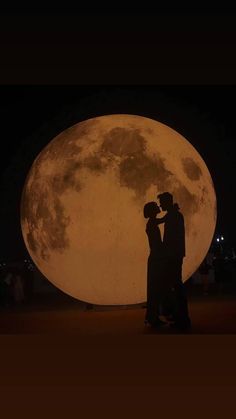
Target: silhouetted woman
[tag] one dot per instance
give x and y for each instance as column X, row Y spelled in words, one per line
column 155, row 266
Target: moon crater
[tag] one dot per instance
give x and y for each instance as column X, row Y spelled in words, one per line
column 191, row 169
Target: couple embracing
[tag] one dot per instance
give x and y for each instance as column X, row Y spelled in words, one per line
column 165, row 288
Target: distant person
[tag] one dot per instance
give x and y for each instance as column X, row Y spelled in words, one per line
column 204, row 271
column 174, row 252
column 18, row 287
column 155, row 284
column 28, row 283
column 8, row 287
column 220, row 270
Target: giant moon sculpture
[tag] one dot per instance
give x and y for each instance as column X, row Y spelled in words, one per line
column 82, row 205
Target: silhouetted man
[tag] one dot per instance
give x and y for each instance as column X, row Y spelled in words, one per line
column 174, row 250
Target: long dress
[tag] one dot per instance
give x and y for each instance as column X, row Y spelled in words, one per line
column 155, row 266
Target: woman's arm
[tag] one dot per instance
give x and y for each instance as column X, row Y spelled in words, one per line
column 161, row 220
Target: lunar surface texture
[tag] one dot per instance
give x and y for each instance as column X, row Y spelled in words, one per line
column 82, row 205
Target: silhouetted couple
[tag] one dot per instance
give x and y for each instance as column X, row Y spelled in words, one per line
column 165, row 289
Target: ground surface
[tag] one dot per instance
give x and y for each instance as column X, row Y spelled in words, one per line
column 212, row 314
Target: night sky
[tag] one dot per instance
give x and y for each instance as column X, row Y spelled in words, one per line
column 61, row 68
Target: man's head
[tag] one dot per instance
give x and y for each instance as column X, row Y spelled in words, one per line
column 166, row 200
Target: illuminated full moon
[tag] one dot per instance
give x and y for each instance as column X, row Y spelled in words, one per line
column 82, row 205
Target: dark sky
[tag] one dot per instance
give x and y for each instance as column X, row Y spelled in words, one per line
column 59, row 67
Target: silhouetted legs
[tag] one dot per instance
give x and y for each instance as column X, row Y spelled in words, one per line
column 177, row 289
column 181, row 314
column 152, row 309
column 154, row 290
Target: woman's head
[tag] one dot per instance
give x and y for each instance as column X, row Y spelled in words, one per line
column 150, row 210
